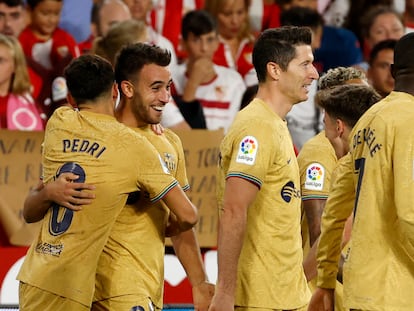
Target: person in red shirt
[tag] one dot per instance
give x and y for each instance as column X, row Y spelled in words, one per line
column 235, row 35
column 48, row 49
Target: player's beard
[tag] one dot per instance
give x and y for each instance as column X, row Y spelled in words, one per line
column 142, row 112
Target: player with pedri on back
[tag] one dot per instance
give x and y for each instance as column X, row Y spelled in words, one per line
column 62, row 260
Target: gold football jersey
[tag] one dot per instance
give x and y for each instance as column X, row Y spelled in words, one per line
column 258, row 148
column 64, row 257
column 133, row 259
column 316, row 161
column 379, row 270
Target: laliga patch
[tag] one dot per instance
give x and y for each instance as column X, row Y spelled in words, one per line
column 315, row 177
column 247, row 150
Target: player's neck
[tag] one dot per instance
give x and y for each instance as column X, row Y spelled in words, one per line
column 98, row 107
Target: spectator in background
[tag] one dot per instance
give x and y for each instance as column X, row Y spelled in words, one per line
column 334, row 12
column 166, row 17
column 235, row 35
column 337, row 46
column 17, row 112
column 377, row 24
column 111, row 12
column 199, row 81
column 356, row 9
column 12, row 17
column 408, row 15
column 48, row 48
column 17, row 107
column 128, row 32
column 263, row 14
column 140, row 11
column 379, row 71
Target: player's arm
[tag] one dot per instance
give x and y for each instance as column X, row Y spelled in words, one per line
column 239, row 194
column 187, row 249
column 61, row 191
column 185, row 211
column 338, row 208
column 313, row 210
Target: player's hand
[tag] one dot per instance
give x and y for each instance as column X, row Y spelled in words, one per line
column 322, row 300
column 202, row 295
column 157, row 128
column 222, row 302
column 67, row 193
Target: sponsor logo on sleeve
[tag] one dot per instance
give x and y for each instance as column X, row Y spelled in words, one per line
column 315, row 177
column 247, row 150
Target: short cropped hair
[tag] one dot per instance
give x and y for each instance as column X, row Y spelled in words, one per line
column 132, row 58
column 388, row 44
column 347, row 102
column 278, row 45
column 197, row 22
column 89, row 77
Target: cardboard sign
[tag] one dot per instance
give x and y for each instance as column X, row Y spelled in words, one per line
column 201, row 148
column 20, row 169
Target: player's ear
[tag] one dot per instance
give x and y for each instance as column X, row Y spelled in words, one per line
column 273, row 70
column 392, row 70
column 340, row 127
column 127, row 89
column 70, row 100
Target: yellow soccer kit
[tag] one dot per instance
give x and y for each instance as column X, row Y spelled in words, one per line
column 316, row 161
column 133, row 259
column 379, row 271
column 258, row 148
column 64, row 257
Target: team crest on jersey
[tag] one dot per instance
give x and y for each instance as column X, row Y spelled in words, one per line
column 169, row 160
column 247, row 150
column 315, row 177
column 164, row 166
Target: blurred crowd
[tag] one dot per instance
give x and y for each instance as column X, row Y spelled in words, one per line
column 213, row 77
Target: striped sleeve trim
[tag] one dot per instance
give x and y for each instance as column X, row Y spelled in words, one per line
column 186, row 187
column 314, row 197
column 164, row 192
column 250, row 178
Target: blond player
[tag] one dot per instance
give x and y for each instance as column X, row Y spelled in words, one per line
column 59, row 270
column 375, row 182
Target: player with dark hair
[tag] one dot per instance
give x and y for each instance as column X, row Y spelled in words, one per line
column 375, row 181
column 259, row 242
column 59, row 270
column 136, row 278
